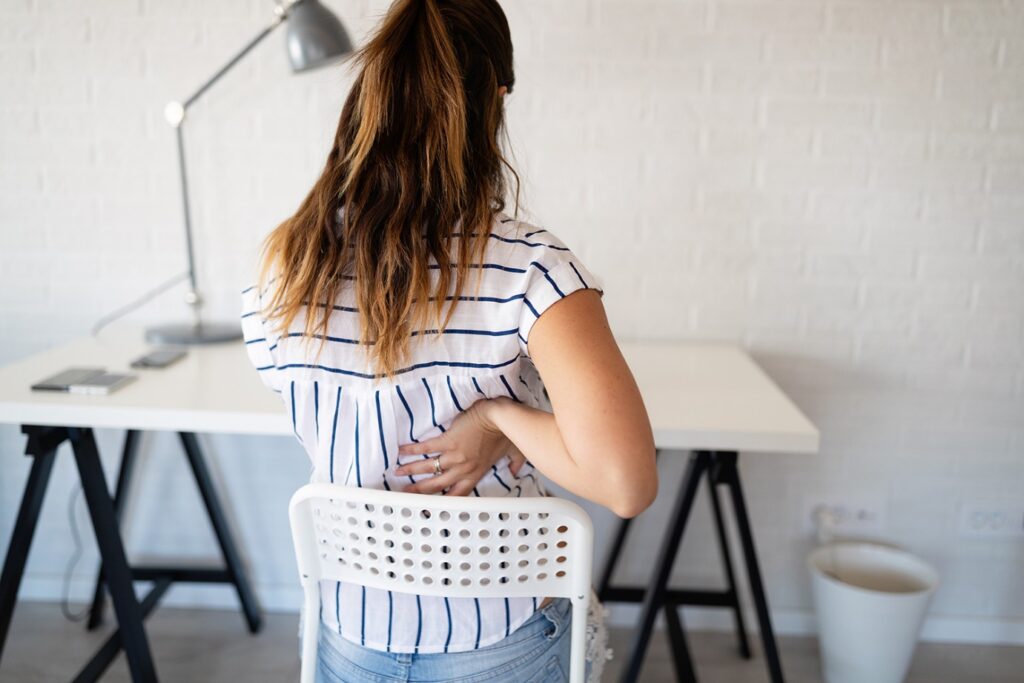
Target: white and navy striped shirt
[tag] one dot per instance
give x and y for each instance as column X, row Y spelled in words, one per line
column 351, row 423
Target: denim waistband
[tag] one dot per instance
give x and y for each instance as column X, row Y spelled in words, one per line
column 558, row 612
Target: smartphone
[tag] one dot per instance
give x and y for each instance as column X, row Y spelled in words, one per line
column 62, row 380
column 159, row 358
column 104, row 383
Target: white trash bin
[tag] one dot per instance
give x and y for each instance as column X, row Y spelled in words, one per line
column 871, row 601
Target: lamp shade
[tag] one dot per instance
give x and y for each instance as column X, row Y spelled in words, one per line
column 315, row 36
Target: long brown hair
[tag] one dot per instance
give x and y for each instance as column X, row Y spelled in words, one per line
column 416, row 160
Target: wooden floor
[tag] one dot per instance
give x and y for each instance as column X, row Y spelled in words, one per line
column 207, row 646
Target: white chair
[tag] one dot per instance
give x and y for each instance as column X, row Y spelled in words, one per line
column 494, row 547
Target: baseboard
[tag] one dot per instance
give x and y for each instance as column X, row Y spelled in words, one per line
column 284, row 598
column 937, row 628
column 287, row 598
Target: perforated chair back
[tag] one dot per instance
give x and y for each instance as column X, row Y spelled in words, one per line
column 445, row 546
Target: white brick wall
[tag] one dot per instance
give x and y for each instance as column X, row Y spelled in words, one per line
column 835, row 184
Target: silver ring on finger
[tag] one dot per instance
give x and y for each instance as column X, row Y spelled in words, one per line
column 437, row 466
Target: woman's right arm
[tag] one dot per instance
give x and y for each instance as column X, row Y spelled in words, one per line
column 598, row 443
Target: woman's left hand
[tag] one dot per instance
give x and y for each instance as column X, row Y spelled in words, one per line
column 467, row 451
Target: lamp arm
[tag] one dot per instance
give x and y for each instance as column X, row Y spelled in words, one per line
column 175, row 114
column 280, row 16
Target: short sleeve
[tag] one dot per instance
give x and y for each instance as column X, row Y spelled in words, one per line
column 554, row 273
column 258, row 345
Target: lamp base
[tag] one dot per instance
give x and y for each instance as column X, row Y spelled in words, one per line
column 193, row 333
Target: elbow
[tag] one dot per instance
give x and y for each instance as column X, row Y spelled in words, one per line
column 633, row 499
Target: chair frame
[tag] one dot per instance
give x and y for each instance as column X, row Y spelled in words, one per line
column 336, row 529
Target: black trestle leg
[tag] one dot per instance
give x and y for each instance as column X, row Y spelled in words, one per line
column 115, row 563
column 731, row 477
column 105, row 656
column 124, row 475
column 723, row 544
column 655, row 592
column 232, row 559
column 680, row 650
column 21, row 537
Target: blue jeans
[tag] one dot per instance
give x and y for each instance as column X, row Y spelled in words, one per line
column 536, row 652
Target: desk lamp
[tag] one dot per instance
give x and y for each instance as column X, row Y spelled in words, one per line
column 315, row 38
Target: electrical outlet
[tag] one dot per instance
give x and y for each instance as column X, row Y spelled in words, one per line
column 843, row 517
column 992, row 520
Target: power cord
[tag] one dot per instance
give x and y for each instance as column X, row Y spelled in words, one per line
column 131, row 306
column 65, row 603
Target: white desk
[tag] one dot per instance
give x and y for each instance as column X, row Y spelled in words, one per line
column 715, row 397
column 707, row 398
column 213, row 389
column 698, row 396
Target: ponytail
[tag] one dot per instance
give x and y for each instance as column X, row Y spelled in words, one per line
column 416, row 160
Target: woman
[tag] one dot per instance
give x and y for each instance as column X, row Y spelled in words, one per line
column 413, row 330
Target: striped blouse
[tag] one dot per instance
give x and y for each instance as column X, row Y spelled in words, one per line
column 351, row 422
